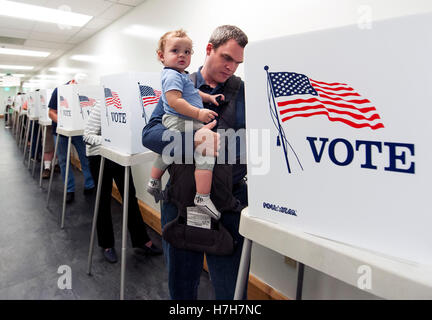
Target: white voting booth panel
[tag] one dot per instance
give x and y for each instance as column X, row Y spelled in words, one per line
column 18, row 103
column 44, row 96
column 130, row 99
column 33, row 104
column 74, row 103
column 348, row 119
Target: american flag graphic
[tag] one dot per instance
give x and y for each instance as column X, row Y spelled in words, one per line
column 86, row 101
column 297, row 95
column 63, row 102
column 112, row 98
column 149, row 95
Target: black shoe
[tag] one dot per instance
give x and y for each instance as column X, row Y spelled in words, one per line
column 149, row 251
column 110, row 255
column 70, row 196
column 57, row 168
column 46, row 173
column 89, row 191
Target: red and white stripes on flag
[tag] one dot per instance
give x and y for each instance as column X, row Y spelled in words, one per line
column 296, row 96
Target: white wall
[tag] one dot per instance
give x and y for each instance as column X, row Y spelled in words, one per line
column 129, row 45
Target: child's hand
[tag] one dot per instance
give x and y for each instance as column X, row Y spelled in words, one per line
column 206, row 115
column 212, row 99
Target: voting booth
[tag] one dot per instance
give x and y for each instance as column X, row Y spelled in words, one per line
column 130, row 99
column 74, row 104
column 339, row 135
column 44, row 96
column 33, row 104
column 17, row 103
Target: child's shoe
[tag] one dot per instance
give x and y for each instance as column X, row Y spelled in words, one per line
column 204, row 203
column 154, row 187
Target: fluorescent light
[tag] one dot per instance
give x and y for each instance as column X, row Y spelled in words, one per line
column 63, row 70
column 18, row 75
column 48, row 76
column 142, row 31
column 43, row 14
column 96, row 59
column 29, row 53
column 13, row 67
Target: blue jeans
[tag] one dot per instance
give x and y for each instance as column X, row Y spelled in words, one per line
column 185, row 267
column 79, row 144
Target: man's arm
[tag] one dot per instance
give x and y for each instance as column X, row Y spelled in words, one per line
column 153, row 131
column 52, row 105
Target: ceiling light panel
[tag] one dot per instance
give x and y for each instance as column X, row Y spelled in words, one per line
column 27, row 53
column 43, row 14
column 14, row 67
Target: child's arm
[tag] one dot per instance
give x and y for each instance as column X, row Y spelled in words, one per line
column 176, row 101
column 210, row 98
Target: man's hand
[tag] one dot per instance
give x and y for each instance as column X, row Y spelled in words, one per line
column 214, row 99
column 206, row 141
column 206, row 115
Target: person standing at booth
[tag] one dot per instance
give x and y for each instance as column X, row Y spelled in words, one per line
column 113, row 171
column 224, row 53
column 78, row 142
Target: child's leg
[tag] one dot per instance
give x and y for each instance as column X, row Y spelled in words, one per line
column 154, row 186
column 203, row 181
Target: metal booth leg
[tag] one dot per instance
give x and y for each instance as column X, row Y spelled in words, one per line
column 42, row 156
column 36, row 150
column 66, row 181
column 243, row 269
column 124, row 231
column 31, row 144
column 52, row 170
column 300, row 273
column 95, row 215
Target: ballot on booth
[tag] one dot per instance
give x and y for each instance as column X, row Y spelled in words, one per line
column 44, row 96
column 74, row 104
column 33, row 104
column 339, row 135
column 130, row 99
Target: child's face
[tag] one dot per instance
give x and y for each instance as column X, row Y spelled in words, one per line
column 177, row 53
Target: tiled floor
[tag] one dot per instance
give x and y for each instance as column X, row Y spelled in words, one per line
column 33, row 247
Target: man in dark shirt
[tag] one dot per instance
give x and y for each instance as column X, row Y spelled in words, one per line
column 224, row 53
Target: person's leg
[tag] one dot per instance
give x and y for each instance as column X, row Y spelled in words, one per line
column 136, row 225
column 62, row 154
column 184, row 267
column 33, row 148
column 79, row 144
column 104, row 225
column 224, row 269
column 49, row 148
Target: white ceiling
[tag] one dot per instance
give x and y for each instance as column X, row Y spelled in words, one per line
column 54, row 38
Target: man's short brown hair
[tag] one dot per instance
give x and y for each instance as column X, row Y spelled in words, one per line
column 223, row 34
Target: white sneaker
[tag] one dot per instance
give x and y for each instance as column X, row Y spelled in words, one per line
column 154, row 187
column 204, row 203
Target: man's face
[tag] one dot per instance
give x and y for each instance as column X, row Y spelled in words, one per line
column 223, row 61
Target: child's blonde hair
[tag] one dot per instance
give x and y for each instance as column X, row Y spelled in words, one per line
column 180, row 33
